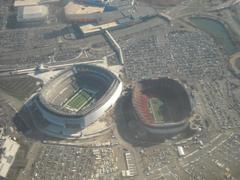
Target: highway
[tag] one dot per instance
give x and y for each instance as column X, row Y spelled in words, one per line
column 48, row 68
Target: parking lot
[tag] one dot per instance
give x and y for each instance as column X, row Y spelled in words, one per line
column 72, row 162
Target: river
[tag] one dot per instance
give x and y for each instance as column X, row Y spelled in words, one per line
column 217, row 30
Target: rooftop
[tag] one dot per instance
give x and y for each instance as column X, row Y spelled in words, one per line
column 32, row 12
column 10, row 149
column 89, row 28
column 74, row 8
column 19, row 3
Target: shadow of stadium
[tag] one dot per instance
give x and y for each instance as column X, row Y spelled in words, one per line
column 128, row 128
column 24, row 124
column 133, row 132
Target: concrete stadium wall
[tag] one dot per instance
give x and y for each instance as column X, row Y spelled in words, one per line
column 166, row 130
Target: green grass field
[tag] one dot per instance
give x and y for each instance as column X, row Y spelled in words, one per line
column 79, row 100
column 155, row 105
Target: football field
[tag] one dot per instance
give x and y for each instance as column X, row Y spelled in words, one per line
column 79, row 100
column 155, row 106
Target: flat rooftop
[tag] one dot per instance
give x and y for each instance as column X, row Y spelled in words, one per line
column 19, row 3
column 90, row 28
column 75, row 8
column 11, row 147
column 32, row 12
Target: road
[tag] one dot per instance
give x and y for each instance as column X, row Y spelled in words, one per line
column 50, row 67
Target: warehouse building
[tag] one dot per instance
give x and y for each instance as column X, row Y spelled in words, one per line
column 85, row 13
column 32, row 13
column 22, row 3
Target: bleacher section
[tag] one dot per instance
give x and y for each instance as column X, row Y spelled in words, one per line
column 174, row 108
column 140, row 103
column 71, row 81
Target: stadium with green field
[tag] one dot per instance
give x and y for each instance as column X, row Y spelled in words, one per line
column 75, row 99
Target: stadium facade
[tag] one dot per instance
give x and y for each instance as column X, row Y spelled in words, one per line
column 74, row 100
column 162, row 106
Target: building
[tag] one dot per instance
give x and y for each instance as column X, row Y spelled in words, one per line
column 131, row 166
column 9, row 149
column 97, row 2
column 22, row 3
column 32, row 13
column 85, row 13
column 90, row 29
column 74, row 100
column 161, row 106
column 81, row 13
column 180, row 151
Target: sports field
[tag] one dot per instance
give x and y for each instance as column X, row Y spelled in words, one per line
column 79, row 100
column 155, row 106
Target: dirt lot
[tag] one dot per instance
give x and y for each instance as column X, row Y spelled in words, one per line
column 20, row 87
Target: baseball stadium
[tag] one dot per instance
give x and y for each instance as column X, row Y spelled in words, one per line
column 74, row 100
column 161, row 106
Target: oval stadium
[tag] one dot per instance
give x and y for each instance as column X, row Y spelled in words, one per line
column 234, row 63
column 74, row 100
column 161, row 106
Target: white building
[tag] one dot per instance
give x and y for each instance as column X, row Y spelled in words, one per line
column 180, row 151
column 9, row 151
column 19, row 3
column 32, row 13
